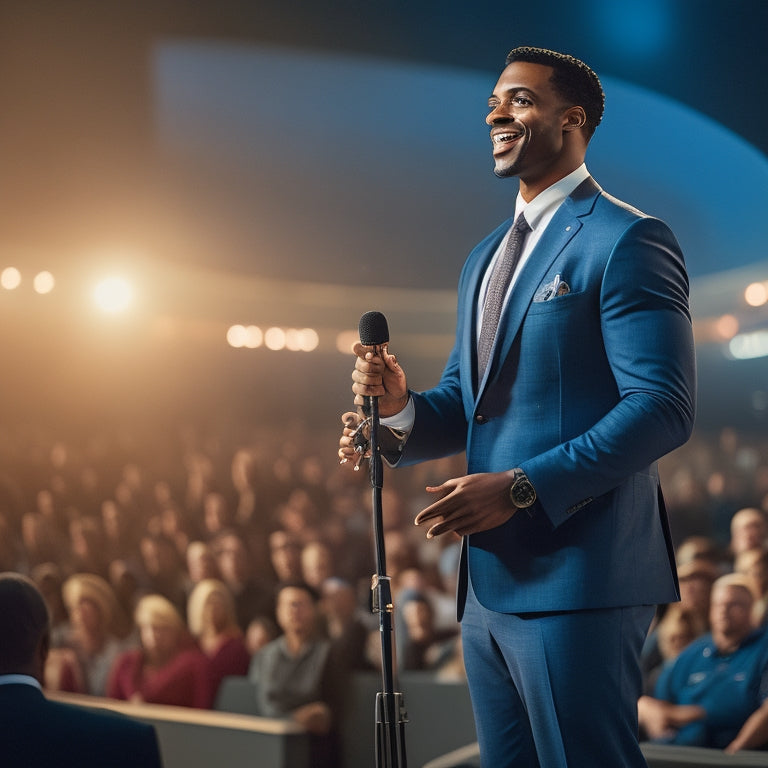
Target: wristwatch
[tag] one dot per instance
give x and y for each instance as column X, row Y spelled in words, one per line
column 521, row 493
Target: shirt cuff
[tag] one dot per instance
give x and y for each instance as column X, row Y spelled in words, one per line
column 403, row 421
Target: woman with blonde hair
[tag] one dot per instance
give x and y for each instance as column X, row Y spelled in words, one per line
column 168, row 668
column 95, row 637
column 212, row 620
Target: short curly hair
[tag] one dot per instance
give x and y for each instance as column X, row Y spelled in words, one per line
column 572, row 79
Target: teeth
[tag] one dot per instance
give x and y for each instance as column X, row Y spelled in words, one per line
column 499, row 138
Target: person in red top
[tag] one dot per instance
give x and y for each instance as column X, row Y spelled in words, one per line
column 168, row 668
column 212, row 620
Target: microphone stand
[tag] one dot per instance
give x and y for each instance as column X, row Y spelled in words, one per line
column 390, row 708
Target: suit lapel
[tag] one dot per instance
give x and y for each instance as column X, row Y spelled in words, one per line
column 563, row 227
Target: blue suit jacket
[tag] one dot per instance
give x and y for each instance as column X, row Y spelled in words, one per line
column 38, row 733
column 585, row 392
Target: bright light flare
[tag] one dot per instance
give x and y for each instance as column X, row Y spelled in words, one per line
column 748, row 346
column 10, row 278
column 248, row 336
column 756, row 294
column 727, row 327
column 275, row 339
column 44, row 282
column 113, row 295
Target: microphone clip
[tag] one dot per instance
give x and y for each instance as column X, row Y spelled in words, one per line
column 361, row 441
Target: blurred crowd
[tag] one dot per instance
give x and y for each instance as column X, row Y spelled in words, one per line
column 170, row 561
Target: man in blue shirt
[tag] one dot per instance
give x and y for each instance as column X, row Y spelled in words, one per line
column 715, row 693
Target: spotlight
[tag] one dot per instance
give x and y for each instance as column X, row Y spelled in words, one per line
column 10, row 278
column 113, row 295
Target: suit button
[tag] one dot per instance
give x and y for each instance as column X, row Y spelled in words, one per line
column 480, row 419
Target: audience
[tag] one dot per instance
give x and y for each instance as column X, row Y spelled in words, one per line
column 36, row 732
column 96, row 637
column 344, row 623
column 252, row 597
column 164, row 515
column 297, row 676
column 705, row 697
column 213, row 623
column 168, row 668
column 749, row 530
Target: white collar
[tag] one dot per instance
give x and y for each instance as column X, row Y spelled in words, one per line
column 551, row 197
column 20, row 680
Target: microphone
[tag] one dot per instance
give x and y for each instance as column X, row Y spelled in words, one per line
column 374, row 332
column 373, row 329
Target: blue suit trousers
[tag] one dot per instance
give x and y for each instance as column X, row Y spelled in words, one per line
column 555, row 689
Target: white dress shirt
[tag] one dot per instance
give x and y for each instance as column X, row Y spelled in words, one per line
column 538, row 213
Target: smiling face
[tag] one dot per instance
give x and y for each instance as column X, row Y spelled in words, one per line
column 535, row 134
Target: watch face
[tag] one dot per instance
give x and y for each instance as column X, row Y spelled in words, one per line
column 522, row 493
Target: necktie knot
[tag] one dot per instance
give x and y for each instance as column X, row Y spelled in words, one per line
column 498, row 285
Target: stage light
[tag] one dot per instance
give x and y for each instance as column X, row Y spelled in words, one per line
column 727, row 327
column 44, row 282
column 10, row 278
column 274, row 339
column 756, row 294
column 254, row 337
column 309, row 340
column 748, row 346
column 113, row 295
column 236, row 335
column 250, row 337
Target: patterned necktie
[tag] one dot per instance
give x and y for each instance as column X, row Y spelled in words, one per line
column 497, row 290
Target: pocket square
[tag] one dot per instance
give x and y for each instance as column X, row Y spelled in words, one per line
column 558, row 287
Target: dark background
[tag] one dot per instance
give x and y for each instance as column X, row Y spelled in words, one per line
column 89, row 179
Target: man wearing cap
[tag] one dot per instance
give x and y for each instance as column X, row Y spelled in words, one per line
column 36, row 732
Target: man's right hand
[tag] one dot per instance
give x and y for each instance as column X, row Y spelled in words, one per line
column 378, row 374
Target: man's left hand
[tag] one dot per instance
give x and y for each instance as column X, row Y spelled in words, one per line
column 468, row 504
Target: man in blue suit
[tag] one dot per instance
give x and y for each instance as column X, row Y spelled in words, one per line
column 38, row 733
column 590, row 379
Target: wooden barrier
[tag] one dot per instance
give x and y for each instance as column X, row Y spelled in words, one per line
column 197, row 738
column 657, row 755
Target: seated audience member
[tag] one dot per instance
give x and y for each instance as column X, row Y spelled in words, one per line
column 749, row 530
column 38, row 733
column 201, row 562
column 296, row 675
column 252, row 597
column 285, row 556
column 754, row 563
column 698, row 548
column 345, row 627
column 316, row 564
column 124, row 580
column 708, row 695
column 696, row 579
column 164, row 568
column 212, row 621
column 93, row 642
column 421, row 645
column 168, row 668
column 696, row 576
column 676, row 630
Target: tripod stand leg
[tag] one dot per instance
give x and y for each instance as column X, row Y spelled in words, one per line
column 390, row 731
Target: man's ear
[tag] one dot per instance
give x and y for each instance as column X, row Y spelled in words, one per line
column 574, row 117
column 41, row 654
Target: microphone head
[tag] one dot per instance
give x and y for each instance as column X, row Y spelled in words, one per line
column 373, row 329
